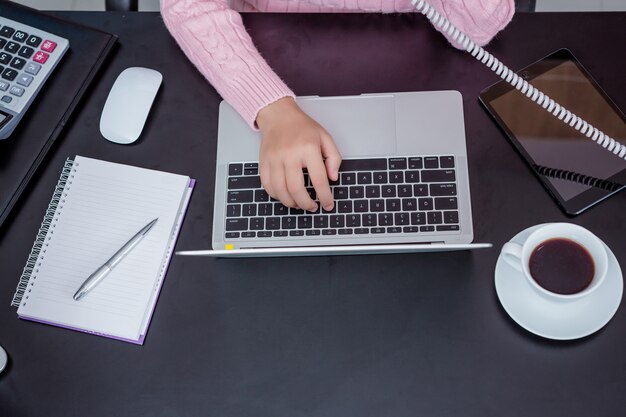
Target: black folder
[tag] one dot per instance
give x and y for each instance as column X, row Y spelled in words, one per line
column 43, row 122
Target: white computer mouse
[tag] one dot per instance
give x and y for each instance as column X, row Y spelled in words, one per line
column 128, row 104
column 3, row 359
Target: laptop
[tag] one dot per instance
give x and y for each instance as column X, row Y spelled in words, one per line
column 403, row 184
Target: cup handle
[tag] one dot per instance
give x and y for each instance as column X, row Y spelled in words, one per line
column 512, row 254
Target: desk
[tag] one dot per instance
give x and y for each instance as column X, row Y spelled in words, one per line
column 395, row 335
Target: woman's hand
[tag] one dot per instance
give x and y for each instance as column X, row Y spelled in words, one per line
column 292, row 141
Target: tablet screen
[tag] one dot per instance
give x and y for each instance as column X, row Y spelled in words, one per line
column 579, row 171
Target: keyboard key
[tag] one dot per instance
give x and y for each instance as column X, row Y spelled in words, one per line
column 20, row 36
column 232, row 235
column 412, row 176
column 240, row 196
column 369, row 219
column 416, row 163
column 348, row 178
column 236, row 224
column 280, row 210
column 248, row 234
column 340, row 193
column 17, row 91
column 361, row 206
column 377, row 205
column 257, row 223
column 357, row 192
column 448, row 227
column 361, row 231
column 420, row 190
column 247, row 165
column 233, row 210
column 235, row 169
column 437, row 175
column 353, row 220
column 312, row 232
column 264, row 233
column 272, row 223
column 397, row 163
column 418, row 218
column 296, row 233
column 434, row 217
column 329, row 232
column 9, row 74
column 377, row 230
column 405, row 190
column 393, row 204
column 48, row 46
column 337, row 220
column 12, row 47
column 372, row 191
column 24, row 80
column 396, row 177
column 442, row 189
column 345, row 231
column 265, row 209
column 2, row 42
column 410, row 229
column 32, row 68
column 4, row 86
column 295, row 211
column 425, row 203
column 18, row 63
column 6, row 99
column 40, row 57
column 320, row 222
column 446, row 161
column 238, row 183
column 305, row 222
column 394, row 230
column 250, row 171
column 364, row 178
column 409, row 204
column 33, row 41
column 431, row 162
column 385, row 219
column 7, row 31
column 248, row 210
column 26, row 52
column 261, row 195
column 5, row 58
column 450, row 216
column 427, row 228
column 344, row 206
column 311, row 192
column 363, row 164
column 281, row 233
column 289, row 222
column 401, row 219
column 388, row 190
column 446, row 203
column 380, row 177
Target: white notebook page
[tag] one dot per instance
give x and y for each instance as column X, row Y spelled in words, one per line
column 104, row 206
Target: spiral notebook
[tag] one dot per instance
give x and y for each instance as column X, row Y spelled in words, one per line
column 96, row 208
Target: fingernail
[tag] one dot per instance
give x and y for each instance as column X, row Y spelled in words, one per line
column 314, row 208
column 329, row 207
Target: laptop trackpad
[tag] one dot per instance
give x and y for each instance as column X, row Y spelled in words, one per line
column 360, row 125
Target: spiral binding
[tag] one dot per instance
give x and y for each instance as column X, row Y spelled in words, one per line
column 440, row 21
column 34, row 261
column 572, row 176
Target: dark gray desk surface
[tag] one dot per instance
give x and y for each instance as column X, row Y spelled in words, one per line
column 405, row 335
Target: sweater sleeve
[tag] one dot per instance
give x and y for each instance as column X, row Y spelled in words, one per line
column 213, row 37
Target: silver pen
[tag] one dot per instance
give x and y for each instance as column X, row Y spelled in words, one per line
column 95, row 278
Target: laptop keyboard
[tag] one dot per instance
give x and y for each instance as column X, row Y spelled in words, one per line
column 372, row 196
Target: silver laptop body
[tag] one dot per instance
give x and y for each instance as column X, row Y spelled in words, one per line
column 410, row 124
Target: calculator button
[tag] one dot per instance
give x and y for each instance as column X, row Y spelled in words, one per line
column 20, row 36
column 33, row 41
column 18, row 63
column 4, row 58
column 32, row 68
column 4, row 86
column 48, row 46
column 26, row 52
column 2, row 42
column 7, row 32
column 6, row 99
column 16, row 91
column 24, row 80
column 12, row 47
column 9, row 74
column 40, row 57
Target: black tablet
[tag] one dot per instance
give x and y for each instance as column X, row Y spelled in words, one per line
column 577, row 172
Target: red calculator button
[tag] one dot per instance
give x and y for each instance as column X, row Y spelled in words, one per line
column 48, row 46
column 40, row 57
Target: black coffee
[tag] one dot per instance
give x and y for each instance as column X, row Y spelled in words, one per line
column 561, row 266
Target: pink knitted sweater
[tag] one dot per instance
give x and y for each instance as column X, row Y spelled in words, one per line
column 213, row 37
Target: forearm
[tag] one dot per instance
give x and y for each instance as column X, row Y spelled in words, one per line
column 214, row 39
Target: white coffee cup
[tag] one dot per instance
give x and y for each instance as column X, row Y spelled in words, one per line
column 518, row 256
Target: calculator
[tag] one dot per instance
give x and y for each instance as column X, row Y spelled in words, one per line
column 28, row 56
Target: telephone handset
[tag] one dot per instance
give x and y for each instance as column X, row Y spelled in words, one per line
column 551, row 106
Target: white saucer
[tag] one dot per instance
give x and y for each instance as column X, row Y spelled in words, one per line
column 555, row 319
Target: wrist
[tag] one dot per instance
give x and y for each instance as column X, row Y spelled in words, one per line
column 277, row 110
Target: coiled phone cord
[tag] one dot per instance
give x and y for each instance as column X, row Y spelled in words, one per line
column 437, row 19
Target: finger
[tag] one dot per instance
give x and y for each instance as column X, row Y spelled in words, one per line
column 332, row 155
column 295, row 186
column 266, row 177
column 319, row 179
column 279, row 185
